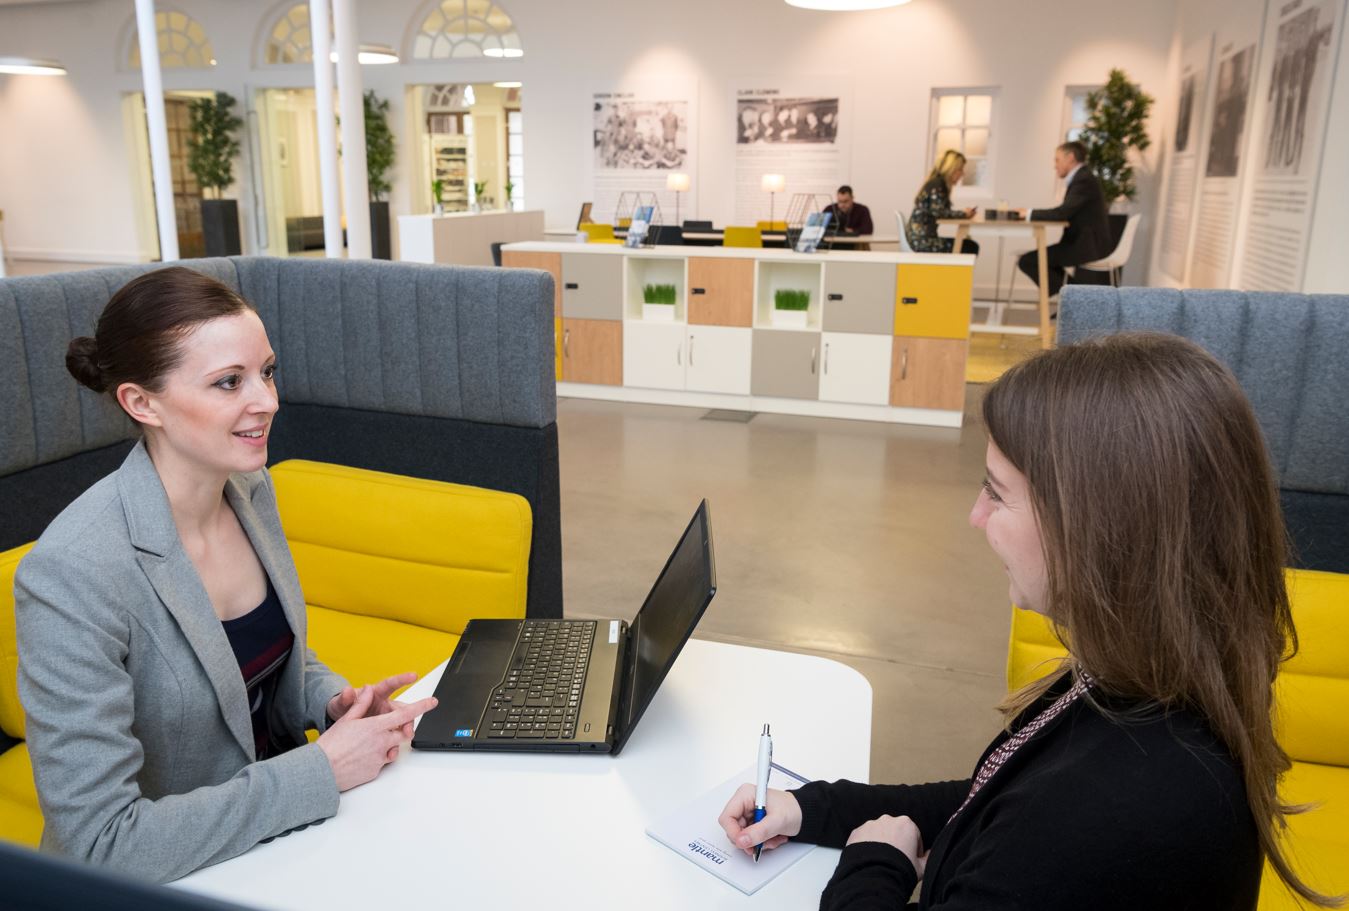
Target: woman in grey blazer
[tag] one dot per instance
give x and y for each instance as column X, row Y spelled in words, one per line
column 161, row 628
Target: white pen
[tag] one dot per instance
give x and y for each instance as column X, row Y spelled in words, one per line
column 761, row 783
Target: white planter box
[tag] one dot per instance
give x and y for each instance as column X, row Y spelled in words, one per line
column 658, row 313
column 790, row 319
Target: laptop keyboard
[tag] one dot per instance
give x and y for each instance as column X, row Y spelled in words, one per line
column 541, row 695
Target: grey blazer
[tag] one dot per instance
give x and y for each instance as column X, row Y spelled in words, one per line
column 138, row 720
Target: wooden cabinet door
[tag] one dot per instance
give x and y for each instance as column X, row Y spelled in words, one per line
column 548, row 262
column 718, row 359
column 592, row 351
column 786, row 364
column 721, row 291
column 653, row 355
column 928, row 373
column 855, row 368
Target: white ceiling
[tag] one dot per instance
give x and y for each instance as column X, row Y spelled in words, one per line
column 37, row 2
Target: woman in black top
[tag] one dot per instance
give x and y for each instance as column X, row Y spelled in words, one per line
column 933, row 202
column 1131, row 501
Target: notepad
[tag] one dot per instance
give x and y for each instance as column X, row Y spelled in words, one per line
column 692, row 832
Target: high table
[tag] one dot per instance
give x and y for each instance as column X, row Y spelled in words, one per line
column 963, row 227
column 518, row 830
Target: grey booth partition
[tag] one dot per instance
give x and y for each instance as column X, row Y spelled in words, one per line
column 1290, row 352
column 431, row 371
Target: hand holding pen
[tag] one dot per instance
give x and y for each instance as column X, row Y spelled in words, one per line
column 765, row 768
column 781, row 817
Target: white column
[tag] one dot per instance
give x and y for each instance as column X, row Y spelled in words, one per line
column 350, row 100
column 159, row 131
column 320, row 29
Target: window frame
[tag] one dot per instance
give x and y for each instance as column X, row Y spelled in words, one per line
column 963, row 193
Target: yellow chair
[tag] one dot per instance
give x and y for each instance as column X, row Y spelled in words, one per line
column 770, row 227
column 742, row 237
column 1311, row 717
column 392, row 569
column 599, row 234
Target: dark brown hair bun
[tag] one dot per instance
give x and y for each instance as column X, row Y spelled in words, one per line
column 82, row 362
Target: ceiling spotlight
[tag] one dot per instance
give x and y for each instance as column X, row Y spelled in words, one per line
column 29, row 66
column 845, row 5
column 508, row 85
column 372, row 54
column 502, row 52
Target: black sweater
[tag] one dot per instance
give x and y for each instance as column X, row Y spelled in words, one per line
column 1148, row 812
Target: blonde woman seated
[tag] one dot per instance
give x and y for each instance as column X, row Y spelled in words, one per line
column 933, row 202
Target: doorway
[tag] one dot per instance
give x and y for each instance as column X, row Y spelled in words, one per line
column 186, row 192
column 292, row 189
column 467, row 138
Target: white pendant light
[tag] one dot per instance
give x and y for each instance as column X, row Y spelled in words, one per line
column 30, row 66
column 372, row 55
column 845, row 5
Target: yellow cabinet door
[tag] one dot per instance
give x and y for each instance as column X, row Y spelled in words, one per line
column 933, row 301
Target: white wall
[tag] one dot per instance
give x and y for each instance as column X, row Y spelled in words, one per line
column 66, row 187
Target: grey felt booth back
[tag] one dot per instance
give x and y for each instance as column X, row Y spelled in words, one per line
column 472, row 344
column 431, row 371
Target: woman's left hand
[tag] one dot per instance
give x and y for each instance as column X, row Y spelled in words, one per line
column 898, row 831
column 379, row 705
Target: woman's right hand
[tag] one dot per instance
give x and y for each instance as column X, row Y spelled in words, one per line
column 357, row 747
column 782, row 821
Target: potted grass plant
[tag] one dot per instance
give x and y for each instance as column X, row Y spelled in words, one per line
column 212, row 145
column 438, row 196
column 790, row 307
column 658, row 302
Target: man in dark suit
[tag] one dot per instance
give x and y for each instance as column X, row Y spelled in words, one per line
column 1087, row 237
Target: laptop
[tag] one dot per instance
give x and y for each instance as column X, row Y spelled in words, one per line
column 571, row 686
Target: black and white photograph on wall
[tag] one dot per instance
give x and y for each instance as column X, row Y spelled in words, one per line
column 1185, row 113
column 1302, row 65
column 786, row 120
column 1229, row 114
column 639, row 135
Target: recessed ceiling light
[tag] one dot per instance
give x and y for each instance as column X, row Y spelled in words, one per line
column 845, row 5
column 30, row 66
column 372, row 55
column 503, row 52
column 508, row 85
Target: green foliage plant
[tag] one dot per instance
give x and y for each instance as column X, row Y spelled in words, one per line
column 659, row 294
column 438, row 191
column 1117, row 116
column 379, row 150
column 787, row 299
column 479, row 188
column 212, row 143
column 510, row 188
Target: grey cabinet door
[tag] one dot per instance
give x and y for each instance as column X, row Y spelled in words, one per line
column 592, row 286
column 859, row 297
column 785, row 364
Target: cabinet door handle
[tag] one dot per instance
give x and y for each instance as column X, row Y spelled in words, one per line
column 566, row 339
column 690, row 351
column 813, row 353
column 679, row 355
column 698, row 290
column 826, row 358
column 836, row 297
column 904, row 364
column 908, row 300
column 572, row 286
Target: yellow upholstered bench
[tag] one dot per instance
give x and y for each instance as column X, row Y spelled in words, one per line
column 1311, row 716
column 392, row 569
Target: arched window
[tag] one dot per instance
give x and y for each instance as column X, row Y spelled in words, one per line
column 182, row 43
column 289, row 39
column 460, row 29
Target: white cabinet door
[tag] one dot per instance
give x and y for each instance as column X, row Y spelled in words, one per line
column 855, row 368
column 653, row 355
column 719, row 359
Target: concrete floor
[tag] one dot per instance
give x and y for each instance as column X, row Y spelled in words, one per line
column 843, row 539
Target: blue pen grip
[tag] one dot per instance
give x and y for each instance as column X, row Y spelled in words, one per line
column 759, row 814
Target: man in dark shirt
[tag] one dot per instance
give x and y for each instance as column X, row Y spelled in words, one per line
column 1084, row 207
column 850, row 217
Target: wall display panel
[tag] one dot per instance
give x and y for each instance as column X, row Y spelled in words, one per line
column 1291, row 112
column 799, row 129
column 1220, row 187
column 1182, row 179
column 642, row 131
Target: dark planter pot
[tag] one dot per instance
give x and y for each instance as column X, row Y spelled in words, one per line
column 220, row 227
column 381, row 243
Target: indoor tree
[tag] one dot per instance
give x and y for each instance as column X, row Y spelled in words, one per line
column 212, row 146
column 1117, row 115
column 379, row 151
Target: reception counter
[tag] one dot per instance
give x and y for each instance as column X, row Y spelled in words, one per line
column 884, row 337
column 463, row 238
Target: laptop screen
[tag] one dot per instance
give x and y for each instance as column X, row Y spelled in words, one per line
column 671, row 611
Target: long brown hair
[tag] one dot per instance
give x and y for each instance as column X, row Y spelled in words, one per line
column 1163, row 539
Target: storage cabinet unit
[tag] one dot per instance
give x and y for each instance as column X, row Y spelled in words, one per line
column 548, row 262
column 884, row 337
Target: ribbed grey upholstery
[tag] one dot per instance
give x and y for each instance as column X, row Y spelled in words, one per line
column 1289, row 351
column 448, row 342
